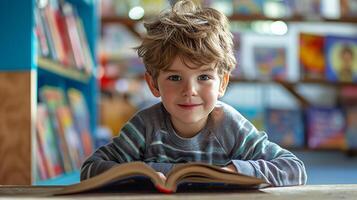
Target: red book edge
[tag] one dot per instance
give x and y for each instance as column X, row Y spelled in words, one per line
column 163, row 190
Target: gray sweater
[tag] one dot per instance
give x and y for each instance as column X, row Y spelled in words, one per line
column 227, row 138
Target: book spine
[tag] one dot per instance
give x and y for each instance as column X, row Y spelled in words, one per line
column 70, row 19
column 49, row 38
column 89, row 63
column 50, row 14
column 40, row 33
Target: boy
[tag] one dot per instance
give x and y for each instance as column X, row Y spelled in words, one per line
column 188, row 56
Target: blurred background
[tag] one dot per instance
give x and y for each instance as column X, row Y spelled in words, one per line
column 296, row 77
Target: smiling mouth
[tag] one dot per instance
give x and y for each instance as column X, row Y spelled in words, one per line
column 188, row 106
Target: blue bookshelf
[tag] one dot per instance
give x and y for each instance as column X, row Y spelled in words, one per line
column 16, row 35
column 20, row 60
column 65, row 179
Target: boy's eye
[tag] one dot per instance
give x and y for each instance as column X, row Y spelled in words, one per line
column 203, row 77
column 174, row 78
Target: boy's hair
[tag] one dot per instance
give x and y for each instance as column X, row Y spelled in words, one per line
column 195, row 34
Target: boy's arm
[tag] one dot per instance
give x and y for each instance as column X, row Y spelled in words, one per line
column 126, row 147
column 255, row 155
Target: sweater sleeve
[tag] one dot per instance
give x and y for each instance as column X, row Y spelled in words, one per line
column 254, row 155
column 128, row 146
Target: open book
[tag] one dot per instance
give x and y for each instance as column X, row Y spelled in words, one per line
column 180, row 174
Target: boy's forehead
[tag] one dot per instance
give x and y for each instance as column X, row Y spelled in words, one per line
column 179, row 64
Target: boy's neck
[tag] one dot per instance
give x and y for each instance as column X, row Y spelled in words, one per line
column 189, row 130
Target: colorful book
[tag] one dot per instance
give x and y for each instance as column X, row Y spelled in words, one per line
column 44, row 50
column 270, row 62
column 41, row 167
column 44, row 23
column 68, row 142
column 51, row 12
column 47, row 140
column 88, row 59
column 70, row 18
column 81, row 115
column 341, row 58
column 53, row 99
column 68, row 60
column 312, row 56
column 326, row 128
column 71, row 136
column 351, row 127
column 285, row 127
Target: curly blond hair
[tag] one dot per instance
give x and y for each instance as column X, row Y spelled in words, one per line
column 195, row 34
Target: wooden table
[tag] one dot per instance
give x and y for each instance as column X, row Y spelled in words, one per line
column 315, row 192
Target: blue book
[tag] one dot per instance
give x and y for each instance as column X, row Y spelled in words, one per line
column 341, row 59
column 285, row 127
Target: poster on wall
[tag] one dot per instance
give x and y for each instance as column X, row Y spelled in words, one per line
column 341, row 59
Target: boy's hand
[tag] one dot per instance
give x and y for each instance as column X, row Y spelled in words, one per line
column 162, row 176
column 230, row 168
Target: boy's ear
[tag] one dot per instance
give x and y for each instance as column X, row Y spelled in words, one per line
column 223, row 85
column 152, row 85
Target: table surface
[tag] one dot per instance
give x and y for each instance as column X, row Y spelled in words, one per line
column 316, row 192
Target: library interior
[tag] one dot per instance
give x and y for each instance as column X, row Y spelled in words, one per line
column 70, row 79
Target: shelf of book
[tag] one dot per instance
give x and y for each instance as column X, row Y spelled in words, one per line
column 63, row 71
column 43, row 32
column 297, row 18
column 240, row 17
column 67, row 89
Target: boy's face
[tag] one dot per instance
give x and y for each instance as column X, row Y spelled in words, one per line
column 189, row 95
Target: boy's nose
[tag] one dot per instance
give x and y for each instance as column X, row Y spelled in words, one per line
column 189, row 89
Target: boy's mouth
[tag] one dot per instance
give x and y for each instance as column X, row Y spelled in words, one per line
column 189, row 106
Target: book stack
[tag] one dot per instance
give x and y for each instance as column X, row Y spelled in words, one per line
column 61, row 36
column 63, row 133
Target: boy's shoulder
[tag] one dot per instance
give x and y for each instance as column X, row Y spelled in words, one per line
column 225, row 115
column 157, row 107
column 152, row 112
column 226, row 110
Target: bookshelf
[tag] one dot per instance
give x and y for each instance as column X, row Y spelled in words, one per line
column 240, row 17
column 235, row 17
column 22, row 74
column 48, row 66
